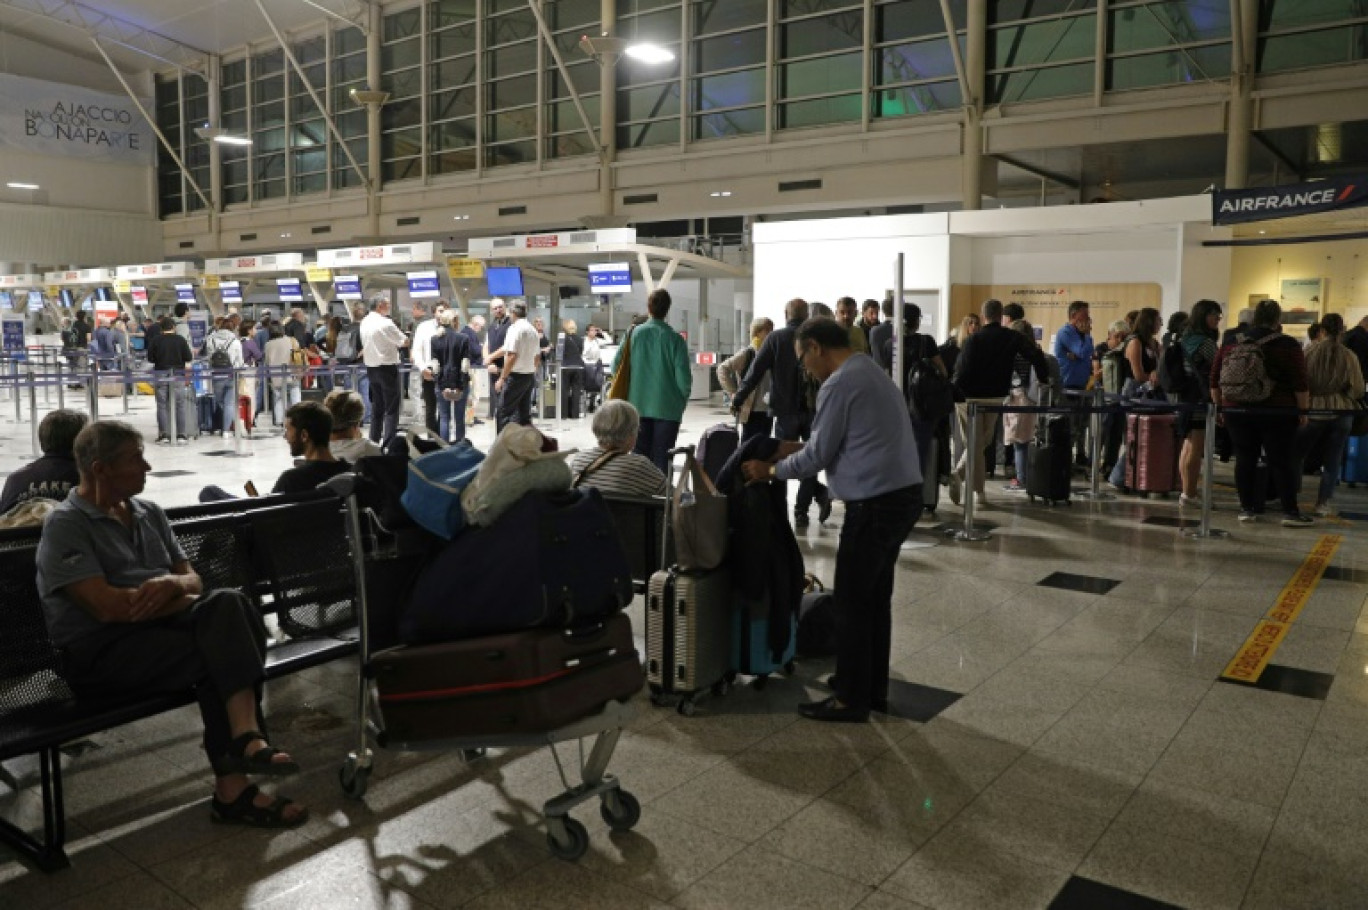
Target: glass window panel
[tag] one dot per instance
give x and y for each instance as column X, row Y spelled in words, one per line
column 648, row 5
column 661, row 27
column 454, row 134
column 1290, row 13
column 518, row 58
column 633, row 73
column 914, row 62
column 1197, row 64
column 585, row 77
column 453, row 41
column 348, row 41
column 511, row 125
column 235, row 122
column 269, row 89
column 398, row 56
column 510, row 153
column 268, row 63
column 917, row 99
column 316, row 73
column 268, row 116
column 1323, row 48
column 403, row 169
column 460, row 71
column 1051, row 82
column 234, row 194
column 562, row 116
column 516, row 92
column 1156, row 25
column 170, row 205
column 728, row 51
column 236, row 72
column 649, row 102
column 236, row 170
column 310, row 183
column 402, row 113
column 1012, row 10
column 351, row 124
column 449, row 12
column 905, row 19
column 302, row 106
column 452, row 162
column 518, row 25
column 818, row 111
column 729, row 90
column 235, row 98
column 819, row 76
column 644, row 135
column 272, row 140
column 402, row 143
column 712, row 16
column 729, row 123
column 311, row 161
column 308, row 134
column 349, row 69
column 401, row 25
column 820, row 36
column 310, row 50
column 405, row 84
column 790, row 8
column 568, row 145
column 572, row 13
column 1042, row 42
column 168, row 92
column 455, row 103
column 197, row 110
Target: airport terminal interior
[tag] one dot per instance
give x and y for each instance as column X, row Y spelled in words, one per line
column 1118, row 702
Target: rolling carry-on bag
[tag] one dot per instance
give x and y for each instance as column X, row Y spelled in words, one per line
column 1354, row 471
column 245, row 416
column 209, row 412
column 1049, row 474
column 523, row 682
column 751, row 653
column 1151, row 453
column 715, row 446
column 688, row 625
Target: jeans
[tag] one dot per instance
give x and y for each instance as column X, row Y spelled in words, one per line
column 1275, row 437
column 451, row 417
column 387, row 400
column 794, row 428
column 225, row 393
column 1331, row 435
column 655, row 439
column 515, row 402
column 871, row 538
column 285, row 390
column 186, row 420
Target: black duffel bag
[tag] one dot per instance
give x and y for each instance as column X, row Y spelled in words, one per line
column 552, row 561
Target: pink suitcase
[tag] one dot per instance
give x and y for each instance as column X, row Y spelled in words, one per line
column 1151, row 453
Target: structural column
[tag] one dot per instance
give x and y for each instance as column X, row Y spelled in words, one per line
column 1244, row 30
column 607, row 112
column 215, row 151
column 373, row 150
column 976, row 67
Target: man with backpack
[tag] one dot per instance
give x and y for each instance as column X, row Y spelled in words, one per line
column 224, row 352
column 1265, row 369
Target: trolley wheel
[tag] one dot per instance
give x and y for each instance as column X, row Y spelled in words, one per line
column 789, row 668
column 721, row 688
column 660, row 699
column 576, row 842
column 620, row 810
column 354, row 779
column 760, row 683
column 471, row 755
column 687, row 707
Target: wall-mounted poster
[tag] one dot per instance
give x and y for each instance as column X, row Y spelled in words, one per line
column 1303, row 294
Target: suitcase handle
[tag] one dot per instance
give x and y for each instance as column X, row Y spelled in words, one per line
column 583, row 633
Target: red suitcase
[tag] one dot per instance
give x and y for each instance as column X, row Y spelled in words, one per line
column 245, row 413
column 1151, row 453
column 534, row 681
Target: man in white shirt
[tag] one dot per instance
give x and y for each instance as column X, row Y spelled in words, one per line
column 518, row 377
column 380, row 344
column 423, row 334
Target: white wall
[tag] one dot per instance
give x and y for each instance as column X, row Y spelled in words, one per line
column 50, row 237
column 1205, row 271
column 22, row 57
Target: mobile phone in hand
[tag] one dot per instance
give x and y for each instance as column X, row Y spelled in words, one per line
column 251, row 489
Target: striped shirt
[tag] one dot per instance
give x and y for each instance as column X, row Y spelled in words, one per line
column 628, row 474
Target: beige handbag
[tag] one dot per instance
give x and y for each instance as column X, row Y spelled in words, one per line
column 698, row 520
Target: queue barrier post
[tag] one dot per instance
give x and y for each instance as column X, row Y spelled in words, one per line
column 61, row 386
column 1204, row 530
column 14, row 376
column 93, row 391
column 33, row 411
column 1095, row 491
column 969, row 532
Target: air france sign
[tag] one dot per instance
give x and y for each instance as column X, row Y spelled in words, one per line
column 1240, row 206
column 48, row 118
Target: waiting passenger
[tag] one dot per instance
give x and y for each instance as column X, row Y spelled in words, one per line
column 308, row 430
column 661, row 379
column 754, row 414
column 452, row 355
column 846, row 311
column 346, row 442
column 1335, row 381
column 1199, row 352
column 612, row 466
column 137, row 620
column 223, row 345
column 881, row 333
column 169, row 354
column 280, row 361
column 53, row 475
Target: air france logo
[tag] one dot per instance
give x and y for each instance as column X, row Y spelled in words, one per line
column 86, row 124
column 1277, row 202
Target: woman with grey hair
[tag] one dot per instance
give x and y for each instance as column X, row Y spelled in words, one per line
column 612, row 466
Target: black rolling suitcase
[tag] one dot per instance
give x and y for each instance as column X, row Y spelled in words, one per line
column 1049, row 474
column 209, row 413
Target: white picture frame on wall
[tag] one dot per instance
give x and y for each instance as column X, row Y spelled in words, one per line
column 1303, row 294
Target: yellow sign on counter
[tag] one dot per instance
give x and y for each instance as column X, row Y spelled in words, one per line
column 465, row 268
column 123, row 287
column 317, row 275
column 211, row 282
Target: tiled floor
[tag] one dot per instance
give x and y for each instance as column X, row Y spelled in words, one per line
column 1091, row 759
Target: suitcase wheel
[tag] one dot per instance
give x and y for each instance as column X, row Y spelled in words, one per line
column 687, row 707
column 721, row 687
column 354, row 778
column 620, row 810
column 570, row 842
column 789, row 667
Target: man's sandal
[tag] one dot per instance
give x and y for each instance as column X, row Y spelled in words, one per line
column 245, row 811
column 237, row 761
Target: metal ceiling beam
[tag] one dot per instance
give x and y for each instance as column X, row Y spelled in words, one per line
column 114, row 30
column 356, row 18
column 1042, row 173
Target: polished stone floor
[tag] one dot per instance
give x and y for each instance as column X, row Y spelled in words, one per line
column 1093, row 757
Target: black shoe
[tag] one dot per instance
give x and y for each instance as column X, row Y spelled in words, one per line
column 800, row 520
column 827, row 710
column 824, row 510
column 876, row 704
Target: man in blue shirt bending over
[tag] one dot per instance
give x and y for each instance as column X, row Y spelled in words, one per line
column 1073, row 348
column 862, row 438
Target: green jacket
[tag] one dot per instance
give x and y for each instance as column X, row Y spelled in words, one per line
column 661, row 376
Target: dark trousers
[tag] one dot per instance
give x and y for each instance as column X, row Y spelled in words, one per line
column 1275, row 438
column 655, row 439
column 871, row 537
column 430, row 405
column 217, row 647
column 572, row 389
column 759, row 423
column 515, row 402
column 493, row 395
column 795, row 428
column 387, row 399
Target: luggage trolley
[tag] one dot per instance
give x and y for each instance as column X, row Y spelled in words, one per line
column 373, row 545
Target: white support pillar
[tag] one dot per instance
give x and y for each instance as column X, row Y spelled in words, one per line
column 975, row 67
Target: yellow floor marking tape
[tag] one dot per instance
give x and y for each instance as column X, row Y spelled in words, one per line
column 1258, row 649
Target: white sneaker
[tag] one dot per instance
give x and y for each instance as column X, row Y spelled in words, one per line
column 1325, row 509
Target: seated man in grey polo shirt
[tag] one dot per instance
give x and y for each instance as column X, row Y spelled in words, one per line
column 130, row 616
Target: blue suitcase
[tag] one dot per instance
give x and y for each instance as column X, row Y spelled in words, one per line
column 751, row 654
column 1355, row 467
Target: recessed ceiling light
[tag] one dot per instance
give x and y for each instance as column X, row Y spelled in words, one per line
column 284, row 235
column 460, row 217
column 233, row 140
column 720, row 194
column 1263, row 232
column 16, row 185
